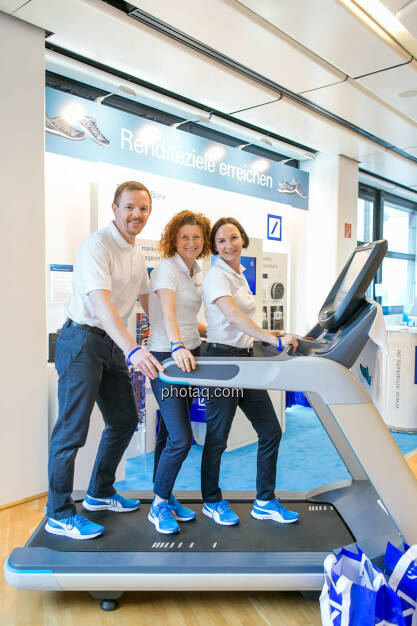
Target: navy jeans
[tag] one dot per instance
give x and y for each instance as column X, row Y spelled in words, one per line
column 257, row 406
column 175, row 435
column 91, row 368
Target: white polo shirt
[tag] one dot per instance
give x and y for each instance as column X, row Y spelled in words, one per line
column 172, row 273
column 222, row 280
column 105, row 260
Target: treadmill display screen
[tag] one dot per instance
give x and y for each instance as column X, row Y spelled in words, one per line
column 353, row 271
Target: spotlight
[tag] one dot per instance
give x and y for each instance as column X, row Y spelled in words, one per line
column 202, row 117
column 120, row 88
column 264, row 140
column 408, row 93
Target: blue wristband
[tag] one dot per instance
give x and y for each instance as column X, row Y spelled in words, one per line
column 128, row 361
column 174, row 343
column 178, row 348
column 279, row 346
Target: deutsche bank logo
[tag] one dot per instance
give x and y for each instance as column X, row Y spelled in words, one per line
column 274, row 227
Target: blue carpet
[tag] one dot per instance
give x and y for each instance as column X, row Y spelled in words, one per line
column 307, row 459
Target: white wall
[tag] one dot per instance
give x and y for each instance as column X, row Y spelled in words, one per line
column 332, row 202
column 23, row 398
column 348, row 209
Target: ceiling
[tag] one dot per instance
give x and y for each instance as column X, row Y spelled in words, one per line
column 323, row 73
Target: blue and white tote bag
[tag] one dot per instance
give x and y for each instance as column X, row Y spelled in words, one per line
column 355, row 593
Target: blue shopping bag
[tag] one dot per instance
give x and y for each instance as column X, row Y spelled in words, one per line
column 355, row 593
column 401, row 572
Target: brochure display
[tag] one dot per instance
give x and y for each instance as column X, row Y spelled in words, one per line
column 400, row 407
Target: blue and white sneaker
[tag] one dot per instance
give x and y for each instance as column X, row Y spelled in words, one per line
column 275, row 511
column 221, row 513
column 161, row 517
column 74, row 526
column 116, row 503
column 179, row 511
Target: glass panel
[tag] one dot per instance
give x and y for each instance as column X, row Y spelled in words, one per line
column 365, row 219
column 397, row 282
column 399, row 228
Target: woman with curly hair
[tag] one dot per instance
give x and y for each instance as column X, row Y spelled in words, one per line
column 175, row 300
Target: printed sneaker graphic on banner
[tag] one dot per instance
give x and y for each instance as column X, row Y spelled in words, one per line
column 89, row 124
column 284, row 186
column 365, row 373
column 59, row 126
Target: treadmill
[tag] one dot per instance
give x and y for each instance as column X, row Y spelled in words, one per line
column 377, row 505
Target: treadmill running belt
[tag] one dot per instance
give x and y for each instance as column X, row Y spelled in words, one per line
column 320, row 529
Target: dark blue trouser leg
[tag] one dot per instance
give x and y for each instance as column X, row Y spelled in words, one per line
column 160, row 444
column 175, row 414
column 258, row 408
column 90, row 367
column 162, row 436
column 219, row 417
column 116, row 402
column 220, row 411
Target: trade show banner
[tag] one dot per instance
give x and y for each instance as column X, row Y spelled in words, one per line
column 78, row 128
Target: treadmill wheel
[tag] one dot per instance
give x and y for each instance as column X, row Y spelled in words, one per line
column 109, row 605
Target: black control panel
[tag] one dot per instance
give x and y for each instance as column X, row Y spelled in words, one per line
column 348, row 292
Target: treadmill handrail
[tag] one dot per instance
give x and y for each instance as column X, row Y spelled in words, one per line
column 332, row 381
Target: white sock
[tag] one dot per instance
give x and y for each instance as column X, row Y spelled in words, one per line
column 157, row 500
column 263, row 502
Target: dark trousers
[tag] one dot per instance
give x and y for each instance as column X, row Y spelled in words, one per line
column 175, row 435
column 220, row 411
column 91, row 368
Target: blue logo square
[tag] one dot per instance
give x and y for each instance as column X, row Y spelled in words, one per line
column 274, row 227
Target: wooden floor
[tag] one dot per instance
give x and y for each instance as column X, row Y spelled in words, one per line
column 36, row 608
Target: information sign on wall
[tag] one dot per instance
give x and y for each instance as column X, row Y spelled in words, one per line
column 86, row 130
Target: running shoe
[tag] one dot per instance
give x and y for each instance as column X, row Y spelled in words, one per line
column 161, row 517
column 221, row 513
column 74, row 526
column 275, row 511
column 89, row 125
column 116, row 503
column 180, row 512
column 59, row 126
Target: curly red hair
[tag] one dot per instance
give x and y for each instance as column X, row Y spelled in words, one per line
column 168, row 243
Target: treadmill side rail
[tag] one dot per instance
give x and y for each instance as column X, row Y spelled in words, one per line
column 383, row 463
column 287, row 581
column 350, row 407
column 31, row 579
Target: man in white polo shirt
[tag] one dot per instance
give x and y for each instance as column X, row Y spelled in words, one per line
column 92, row 353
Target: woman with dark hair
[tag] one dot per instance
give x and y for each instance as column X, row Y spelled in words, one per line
column 175, row 300
column 230, row 307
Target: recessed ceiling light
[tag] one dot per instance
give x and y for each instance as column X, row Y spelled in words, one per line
column 408, row 93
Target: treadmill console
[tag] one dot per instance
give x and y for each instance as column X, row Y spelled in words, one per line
column 348, row 293
column 346, row 315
